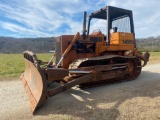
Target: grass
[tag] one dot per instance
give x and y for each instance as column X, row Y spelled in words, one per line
column 154, row 57
column 12, row 65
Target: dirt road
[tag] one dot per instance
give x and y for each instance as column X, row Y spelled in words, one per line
column 138, row 99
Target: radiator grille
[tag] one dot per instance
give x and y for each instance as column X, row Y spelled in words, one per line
column 95, row 39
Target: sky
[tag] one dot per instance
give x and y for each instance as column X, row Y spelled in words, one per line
column 48, row 18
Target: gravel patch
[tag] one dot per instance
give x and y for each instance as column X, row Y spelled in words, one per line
column 138, row 99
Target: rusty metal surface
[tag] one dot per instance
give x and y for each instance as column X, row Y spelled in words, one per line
column 68, row 48
column 108, row 71
column 61, row 43
column 76, row 63
column 109, row 68
column 56, row 73
column 34, row 83
column 145, row 56
column 114, row 76
column 100, row 60
column 68, row 85
column 100, row 68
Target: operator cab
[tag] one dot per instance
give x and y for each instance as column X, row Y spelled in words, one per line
column 119, row 24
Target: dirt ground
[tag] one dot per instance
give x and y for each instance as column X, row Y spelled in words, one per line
column 138, row 99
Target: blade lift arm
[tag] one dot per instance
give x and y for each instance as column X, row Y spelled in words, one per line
column 68, row 48
column 68, row 85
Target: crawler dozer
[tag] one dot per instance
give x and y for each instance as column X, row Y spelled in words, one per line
column 87, row 59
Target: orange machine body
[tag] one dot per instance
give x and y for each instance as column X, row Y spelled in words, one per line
column 96, row 45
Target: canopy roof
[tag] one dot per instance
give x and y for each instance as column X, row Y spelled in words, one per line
column 114, row 12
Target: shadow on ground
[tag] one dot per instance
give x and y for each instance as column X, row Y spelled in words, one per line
column 101, row 102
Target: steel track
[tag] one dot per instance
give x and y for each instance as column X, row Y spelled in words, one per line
column 107, row 60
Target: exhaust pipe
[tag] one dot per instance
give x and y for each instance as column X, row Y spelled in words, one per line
column 84, row 25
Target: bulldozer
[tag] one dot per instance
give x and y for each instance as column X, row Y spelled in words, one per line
column 86, row 59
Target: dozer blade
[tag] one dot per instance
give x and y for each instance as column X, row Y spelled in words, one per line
column 34, row 82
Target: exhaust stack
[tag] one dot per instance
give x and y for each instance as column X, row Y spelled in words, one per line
column 84, row 25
